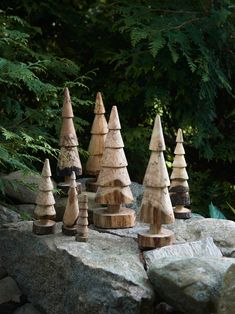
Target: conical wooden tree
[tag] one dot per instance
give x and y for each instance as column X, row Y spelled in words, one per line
column 69, row 159
column 179, row 190
column 45, row 211
column 72, row 209
column 156, row 207
column 82, row 230
column 114, row 181
column 99, row 131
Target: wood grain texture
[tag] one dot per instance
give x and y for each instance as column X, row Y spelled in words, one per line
column 157, row 142
column 44, row 226
column 72, row 208
column 114, row 195
column 82, row 229
column 149, row 241
column 125, row 218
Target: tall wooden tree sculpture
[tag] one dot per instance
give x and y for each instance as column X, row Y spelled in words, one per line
column 72, row 209
column 179, row 189
column 45, row 201
column 99, row 131
column 156, row 207
column 82, row 230
column 68, row 160
column 114, row 181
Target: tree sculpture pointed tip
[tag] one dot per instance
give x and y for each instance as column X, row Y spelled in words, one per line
column 99, row 105
column 157, row 142
column 73, row 183
column 114, row 122
column 67, row 110
column 179, row 137
column 46, row 170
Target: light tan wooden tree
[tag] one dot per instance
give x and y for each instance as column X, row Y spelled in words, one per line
column 69, row 159
column 45, row 210
column 72, row 209
column 179, row 189
column 114, row 181
column 82, row 231
column 99, row 131
column 156, row 207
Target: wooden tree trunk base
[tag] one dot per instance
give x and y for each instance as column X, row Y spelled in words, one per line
column 125, row 218
column 148, row 241
column 64, row 187
column 80, row 238
column 184, row 213
column 70, row 231
column 91, row 185
column 44, row 226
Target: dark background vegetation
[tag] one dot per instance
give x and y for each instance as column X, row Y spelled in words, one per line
column 174, row 58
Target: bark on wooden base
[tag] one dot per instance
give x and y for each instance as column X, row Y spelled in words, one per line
column 64, row 187
column 148, row 241
column 43, row 227
column 125, row 218
column 184, row 213
column 69, row 231
column 91, row 185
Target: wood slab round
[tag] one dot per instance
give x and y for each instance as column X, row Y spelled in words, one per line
column 70, row 231
column 80, row 238
column 184, row 213
column 148, row 241
column 44, row 226
column 91, row 185
column 125, row 218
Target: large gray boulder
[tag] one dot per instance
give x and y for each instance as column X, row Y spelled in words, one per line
column 7, row 215
column 9, row 290
column 26, row 309
column 60, row 275
column 191, row 285
column 205, row 247
column 227, row 299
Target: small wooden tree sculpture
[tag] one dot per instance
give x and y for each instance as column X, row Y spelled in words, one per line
column 72, row 209
column 179, row 190
column 156, row 207
column 82, row 231
column 99, row 131
column 45, row 211
column 114, row 181
column 68, row 160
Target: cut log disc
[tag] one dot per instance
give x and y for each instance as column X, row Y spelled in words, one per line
column 44, row 226
column 147, row 241
column 184, row 213
column 69, row 231
column 104, row 219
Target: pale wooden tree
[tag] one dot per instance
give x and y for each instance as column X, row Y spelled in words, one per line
column 156, row 207
column 71, row 212
column 99, row 131
column 82, row 230
column 45, row 210
column 114, row 181
column 69, row 159
column 179, row 189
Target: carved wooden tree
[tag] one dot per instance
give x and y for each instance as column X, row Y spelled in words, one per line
column 45, row 210
column 114, row 181
column 82, row 230
column 156, row 207
column 72, row 209
column 68, row 160
column 179, row 189
column 99, row 131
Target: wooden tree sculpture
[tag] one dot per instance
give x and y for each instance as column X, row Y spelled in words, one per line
column 45, row 201
column 72, row 209
column 156, row 207
column 179, row 190
column 99, row 131
column 114, row 181
column 69, row 160
column 82, row 229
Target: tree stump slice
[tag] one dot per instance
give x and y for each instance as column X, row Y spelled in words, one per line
column 148, row 241
column 184, row 213
column 44, row 226
column 125, row 218
column 91, row 185
column 69, row 231
column 80, row 238
column 64, row 187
